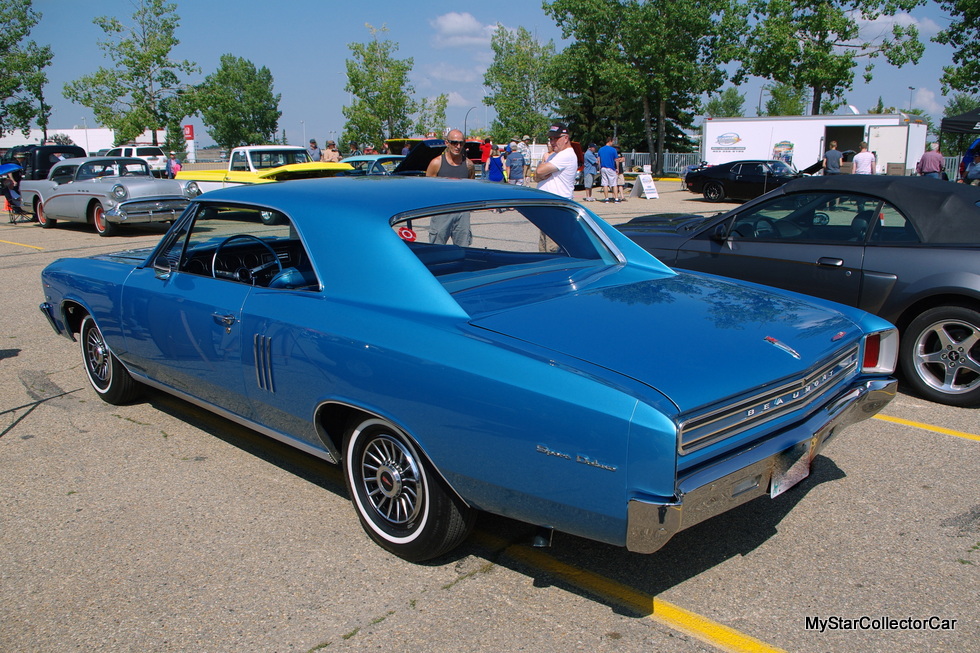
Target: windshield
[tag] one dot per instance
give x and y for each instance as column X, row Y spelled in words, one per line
column 780, row 168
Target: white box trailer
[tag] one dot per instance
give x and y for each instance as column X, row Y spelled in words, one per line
column 802, row 140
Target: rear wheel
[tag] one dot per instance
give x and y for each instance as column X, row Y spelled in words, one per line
column 940, row 355
column 106, row 374
column 401, row 502
column 713, row 191
column 102, row 225
column 43, row 220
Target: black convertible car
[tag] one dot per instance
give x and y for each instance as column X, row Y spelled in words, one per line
column 904, row 248
column 741, row 180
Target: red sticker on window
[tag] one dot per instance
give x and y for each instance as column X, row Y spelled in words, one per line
column 407, row 234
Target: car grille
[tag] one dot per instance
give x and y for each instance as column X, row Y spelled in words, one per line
column 713, row 424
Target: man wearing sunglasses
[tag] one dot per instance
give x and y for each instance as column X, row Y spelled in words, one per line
column 454, row 164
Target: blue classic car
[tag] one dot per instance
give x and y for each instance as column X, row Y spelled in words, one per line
column 539, row 365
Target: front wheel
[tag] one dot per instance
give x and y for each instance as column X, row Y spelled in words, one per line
column 102, row 225
column 940, row 355
column 401, row 502
column 106, row 374
column 714, row 192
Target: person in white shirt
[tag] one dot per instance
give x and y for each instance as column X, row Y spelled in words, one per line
column 864, row 161
column 556, row 170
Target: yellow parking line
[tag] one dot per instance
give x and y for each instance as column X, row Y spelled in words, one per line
column 928, row 427
column 672, row 616
column 21, row 244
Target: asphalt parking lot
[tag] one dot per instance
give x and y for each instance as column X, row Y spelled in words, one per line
column 159, row 527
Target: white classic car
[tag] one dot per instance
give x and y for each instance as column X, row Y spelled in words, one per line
column 106, row 192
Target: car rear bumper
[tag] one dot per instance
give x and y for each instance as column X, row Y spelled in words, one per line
column 717, row 489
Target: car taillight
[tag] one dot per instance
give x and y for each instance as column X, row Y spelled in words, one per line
column 880, row 352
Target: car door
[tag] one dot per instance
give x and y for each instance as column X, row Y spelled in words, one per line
column 59, row 202
column 748, row 179
column 810, row 243
column 183, row 325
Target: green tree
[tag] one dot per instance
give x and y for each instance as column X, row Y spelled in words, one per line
column 518, row 81
column 816, row 44
column 432, row 115
column 174, row 141
column 130, row 96
column 665, row 53
column 963, row 33
column 727, row 104
column 22, row 64
column 785, row 100
column 382, row 105
column 237, row 103
column 955, row 144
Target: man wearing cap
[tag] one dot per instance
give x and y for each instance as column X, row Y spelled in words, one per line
column 524, row 145
column 556, row 170
column 314, row 151
column 330, row 153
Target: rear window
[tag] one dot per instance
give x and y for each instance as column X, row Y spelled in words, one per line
column 149, row 151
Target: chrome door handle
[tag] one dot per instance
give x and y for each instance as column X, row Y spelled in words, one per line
column 832, row 262
column 224, row 320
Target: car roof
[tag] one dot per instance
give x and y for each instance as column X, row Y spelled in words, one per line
column 942, row 211
column 81, row 160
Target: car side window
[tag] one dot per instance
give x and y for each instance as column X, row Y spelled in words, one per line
column 239, row 244
column 238, row 162
column 63, row 174
column 809, row 218
column 892, row 227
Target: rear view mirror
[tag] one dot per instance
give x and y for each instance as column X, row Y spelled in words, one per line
column 720, row 233
column 162, row 268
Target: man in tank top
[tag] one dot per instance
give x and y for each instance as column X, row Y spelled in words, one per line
column 451, row 163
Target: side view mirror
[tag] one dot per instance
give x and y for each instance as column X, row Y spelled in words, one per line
column 162, row 268
column 720, row 233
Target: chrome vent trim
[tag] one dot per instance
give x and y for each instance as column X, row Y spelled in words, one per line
column 700, row 430
column 262, row 350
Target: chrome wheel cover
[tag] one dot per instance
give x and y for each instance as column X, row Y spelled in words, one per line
column 947, row 356
column 97, row 357
column 391, row 480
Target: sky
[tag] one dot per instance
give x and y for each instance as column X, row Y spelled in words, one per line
column 304, row 44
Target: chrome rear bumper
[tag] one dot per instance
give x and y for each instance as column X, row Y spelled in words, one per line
column 715, row 490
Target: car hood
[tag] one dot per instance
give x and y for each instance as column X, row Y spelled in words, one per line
column 695, row 338
column 419, row 157
column 303, row 171
column 142, row 186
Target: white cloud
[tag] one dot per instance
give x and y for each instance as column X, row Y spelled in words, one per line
column 925, row 99
column 456, row 29
column 881, row 27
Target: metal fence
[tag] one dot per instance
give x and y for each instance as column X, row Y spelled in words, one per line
column 674, row 162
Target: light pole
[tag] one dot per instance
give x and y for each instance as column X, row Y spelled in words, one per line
column 464, row 120
column 303, row 123
column 911, row 88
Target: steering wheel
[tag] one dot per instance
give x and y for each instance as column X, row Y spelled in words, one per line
column 820, row 219
column 244, row 274
column 765, row 227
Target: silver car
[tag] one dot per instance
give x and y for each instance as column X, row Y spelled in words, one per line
column 106, row 192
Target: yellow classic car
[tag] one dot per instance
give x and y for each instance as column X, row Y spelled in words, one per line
column 259, row 164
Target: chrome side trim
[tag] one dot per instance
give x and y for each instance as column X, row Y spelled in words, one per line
column 651, row 524
column 262, row 351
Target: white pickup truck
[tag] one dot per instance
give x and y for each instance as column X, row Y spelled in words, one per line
column 259, row 164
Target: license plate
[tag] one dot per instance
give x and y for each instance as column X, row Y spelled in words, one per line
column 791, row 468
